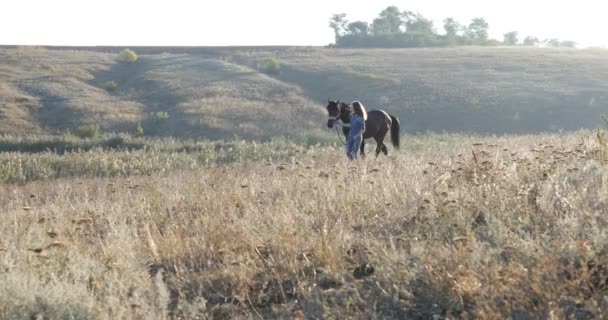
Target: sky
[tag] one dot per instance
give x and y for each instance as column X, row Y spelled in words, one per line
column 274, row 22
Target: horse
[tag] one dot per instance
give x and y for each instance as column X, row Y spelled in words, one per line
column 377, row 125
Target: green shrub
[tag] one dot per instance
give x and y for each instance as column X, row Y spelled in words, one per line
column 90, row 131
column 139, row 130
column 110, row 86
column 128, row 55
column 160, row 116
column 271, row 66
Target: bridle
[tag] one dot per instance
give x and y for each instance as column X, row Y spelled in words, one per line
column 339, row 123
column 337, row 118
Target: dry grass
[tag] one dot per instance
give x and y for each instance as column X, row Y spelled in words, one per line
column 450, row 227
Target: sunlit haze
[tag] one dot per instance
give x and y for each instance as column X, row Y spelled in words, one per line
column 274, row 22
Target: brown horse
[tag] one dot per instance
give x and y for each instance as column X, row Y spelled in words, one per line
column 377, row 125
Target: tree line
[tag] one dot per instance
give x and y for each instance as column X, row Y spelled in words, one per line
column 394, row 28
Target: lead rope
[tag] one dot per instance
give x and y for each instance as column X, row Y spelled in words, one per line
column 339, row 136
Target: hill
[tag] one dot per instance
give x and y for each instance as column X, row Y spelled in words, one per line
column 222, row 92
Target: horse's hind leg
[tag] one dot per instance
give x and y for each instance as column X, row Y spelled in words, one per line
column 378, row 150
column 380, row 141
column 379, row 145
column 381, row 148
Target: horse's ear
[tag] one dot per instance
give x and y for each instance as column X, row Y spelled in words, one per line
column 338, row 101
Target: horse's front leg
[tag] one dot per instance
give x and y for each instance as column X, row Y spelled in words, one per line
column 362, row 148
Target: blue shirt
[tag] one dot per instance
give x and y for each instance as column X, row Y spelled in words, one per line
column 357, row 126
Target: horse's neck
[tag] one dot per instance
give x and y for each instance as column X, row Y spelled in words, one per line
column 346, row 116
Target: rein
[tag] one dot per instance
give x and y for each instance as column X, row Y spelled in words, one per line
column 340, row 136
column 339, row 123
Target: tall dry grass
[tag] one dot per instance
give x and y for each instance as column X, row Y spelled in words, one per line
column 45, row 158
column 481, row 228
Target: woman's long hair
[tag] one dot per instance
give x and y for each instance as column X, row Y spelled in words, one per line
column 359, row 110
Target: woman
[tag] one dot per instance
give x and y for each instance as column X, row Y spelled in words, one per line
column 357, row 127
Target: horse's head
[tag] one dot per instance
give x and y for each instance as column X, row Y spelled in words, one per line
column 333, row 112
column 337, row 110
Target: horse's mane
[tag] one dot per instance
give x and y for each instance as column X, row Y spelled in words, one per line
column 346, row 106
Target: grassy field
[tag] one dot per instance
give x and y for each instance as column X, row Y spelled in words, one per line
column 224, row 92
column 232, row 200
column 448, row 227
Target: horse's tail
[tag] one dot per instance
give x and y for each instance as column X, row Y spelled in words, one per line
column 395, row 131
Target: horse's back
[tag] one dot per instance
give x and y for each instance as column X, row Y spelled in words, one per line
column 377, row 124
column 378, row 115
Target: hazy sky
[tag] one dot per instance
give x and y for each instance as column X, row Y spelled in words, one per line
column 274, row 22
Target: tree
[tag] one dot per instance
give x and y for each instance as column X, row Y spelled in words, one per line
column 451, row 27
column 531, row 41
column 511, row 38
column 552, row 42
column 358, row 27
column 389, row 21
column 568, row 44
column 478, row 29
column 380, row 26
column 417, row 23
column 338, row 22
